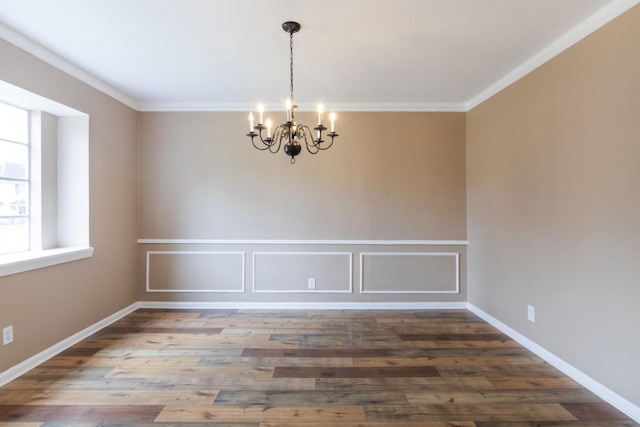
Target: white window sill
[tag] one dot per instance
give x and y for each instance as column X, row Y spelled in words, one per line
column 26, row 261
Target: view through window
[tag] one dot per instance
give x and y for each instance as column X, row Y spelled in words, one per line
column 14, row 179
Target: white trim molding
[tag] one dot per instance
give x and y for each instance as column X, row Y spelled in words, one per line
column 304, row 305
column 242, row 272
column 349, row 289
column 32, row 260
column 583, row 379
column 456, row 107
column 456, row 256
column 32, row 362
column 304, row 242
column 55, row 60
column 605, row 15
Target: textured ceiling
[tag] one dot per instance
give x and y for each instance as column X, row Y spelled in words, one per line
column 351, row 54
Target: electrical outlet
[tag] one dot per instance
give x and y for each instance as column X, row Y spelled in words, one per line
column 312, row 282
column 7, row 335
column 531, row 313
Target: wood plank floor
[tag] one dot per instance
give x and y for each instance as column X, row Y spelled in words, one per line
column 260, row 368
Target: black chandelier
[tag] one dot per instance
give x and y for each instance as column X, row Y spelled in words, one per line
column 290, row 133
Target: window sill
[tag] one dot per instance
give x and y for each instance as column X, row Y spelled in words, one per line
column 26, row 261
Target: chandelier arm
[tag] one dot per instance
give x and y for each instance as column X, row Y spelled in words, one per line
column 304, row 133
column 324, row 146
column 264, row 147
column 317, row 144
column 279, row 134
column 266, row 143
column 253, row 135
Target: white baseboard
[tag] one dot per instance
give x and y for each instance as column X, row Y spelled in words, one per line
column 32, row 362
column 606, row 394
column 306, row 305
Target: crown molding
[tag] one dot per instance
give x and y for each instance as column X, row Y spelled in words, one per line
column 202, row 106
column 593, row 23
column 570, row 38
column 345, row 107
column 55, row 60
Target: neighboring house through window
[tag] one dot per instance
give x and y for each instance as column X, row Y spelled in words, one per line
column 14, row 179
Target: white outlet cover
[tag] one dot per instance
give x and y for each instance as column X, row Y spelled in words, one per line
column 7, row 335
column 531, row 313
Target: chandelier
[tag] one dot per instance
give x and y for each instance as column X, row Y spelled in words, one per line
column 290, row 134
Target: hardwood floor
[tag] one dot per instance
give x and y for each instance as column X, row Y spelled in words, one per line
column 257, row 368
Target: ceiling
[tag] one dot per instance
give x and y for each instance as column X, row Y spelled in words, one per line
column 419, row 55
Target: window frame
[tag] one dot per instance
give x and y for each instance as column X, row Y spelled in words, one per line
column 73, row 127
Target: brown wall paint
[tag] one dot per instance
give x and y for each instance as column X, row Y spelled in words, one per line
column 554, row 205
column 48, row 305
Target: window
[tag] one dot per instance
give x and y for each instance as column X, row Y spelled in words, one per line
column 44, row 182
column 14, row 179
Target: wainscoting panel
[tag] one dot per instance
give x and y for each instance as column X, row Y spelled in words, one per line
column 348, row 272
column 195, row 271
column 289, row 272
column 410, row 272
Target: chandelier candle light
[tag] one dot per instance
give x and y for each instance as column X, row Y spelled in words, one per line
column 290, row 133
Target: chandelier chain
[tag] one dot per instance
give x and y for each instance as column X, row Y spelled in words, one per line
column 291, row 64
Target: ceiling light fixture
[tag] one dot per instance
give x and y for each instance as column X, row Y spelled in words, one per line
column 290, row 133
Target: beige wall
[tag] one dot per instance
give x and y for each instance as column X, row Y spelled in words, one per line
column 389, row 176
column 554, row 205
column 48, row 305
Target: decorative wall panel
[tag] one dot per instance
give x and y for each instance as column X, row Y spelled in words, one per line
column 409, row 272
column 289, row 272
column 195, row 271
